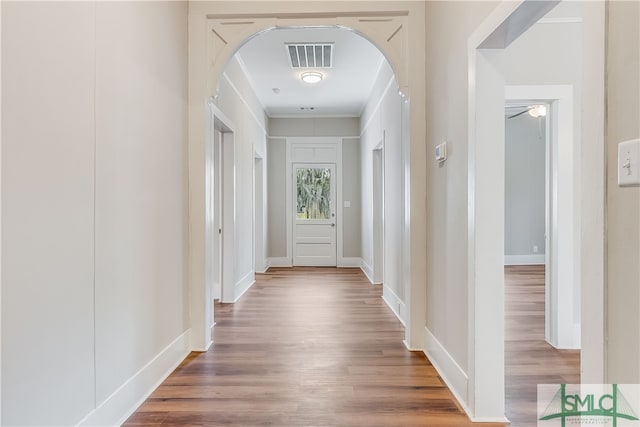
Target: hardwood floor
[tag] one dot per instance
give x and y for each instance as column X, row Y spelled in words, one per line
column 318, row 347
column 305, row 347
column 529, row 360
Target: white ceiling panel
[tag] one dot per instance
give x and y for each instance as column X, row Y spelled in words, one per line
column 346, row 85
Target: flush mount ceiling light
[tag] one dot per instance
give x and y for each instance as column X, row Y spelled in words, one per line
column 311, row 77
column 538, row 111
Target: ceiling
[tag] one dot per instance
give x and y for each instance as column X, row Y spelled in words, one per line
column 343, row 92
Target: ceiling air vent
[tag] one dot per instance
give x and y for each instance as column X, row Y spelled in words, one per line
column 310, row 55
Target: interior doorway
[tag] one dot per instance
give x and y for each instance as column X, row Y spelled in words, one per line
column 487, row 60
column 215, row 213
column 259, row 215
column 532, row 234
column 378, row 213
column 547, row 172
column 219, row 212
column 216, row 36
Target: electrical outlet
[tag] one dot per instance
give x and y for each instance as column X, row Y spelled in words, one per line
column 535, row 249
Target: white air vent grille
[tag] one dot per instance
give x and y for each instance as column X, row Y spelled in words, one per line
column 310, row 55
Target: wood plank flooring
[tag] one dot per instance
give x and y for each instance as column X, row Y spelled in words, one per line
column 529, row 360
column 305, row 347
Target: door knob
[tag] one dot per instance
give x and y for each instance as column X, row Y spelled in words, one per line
column 333, row 225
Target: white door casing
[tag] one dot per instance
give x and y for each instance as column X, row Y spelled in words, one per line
column 314, row 227
column 485, row 374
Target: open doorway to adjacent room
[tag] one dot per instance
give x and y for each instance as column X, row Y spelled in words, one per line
column 543, row 82
column 539, row 345
column 537, row 65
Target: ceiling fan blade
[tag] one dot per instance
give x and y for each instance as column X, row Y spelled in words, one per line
column 519, row 114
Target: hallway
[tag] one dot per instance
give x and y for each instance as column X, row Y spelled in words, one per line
column 305, row 346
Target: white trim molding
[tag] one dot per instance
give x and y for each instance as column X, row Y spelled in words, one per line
column 566, row 20
column 454, row 376
column 279, row 262
column 485, row 397
column 533, row 259
column 265, row 265
column 244, row 101
column 377, row 107
column 451, row 373
column 129, row 396
column 368, row 271
column 396, row 304
column 243, row 285
column 348, row 262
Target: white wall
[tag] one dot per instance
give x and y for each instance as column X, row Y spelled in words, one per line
column 524, row 218
column 381, row 122
column 94, row 207
column 140, row 186
column 47, row 212
column 277, row 204
column 314, row 126
column 623, row 204
column 448, row 26
column 351, row 192
column 239, row 103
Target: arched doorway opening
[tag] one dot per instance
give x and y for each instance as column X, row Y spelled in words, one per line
column 215, row 37
column 326, row 131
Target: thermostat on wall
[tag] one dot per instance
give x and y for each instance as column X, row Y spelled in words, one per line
column 441, row 152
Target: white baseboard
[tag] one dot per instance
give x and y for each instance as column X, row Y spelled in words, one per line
column 501, row 420
column 279, row 262
column 395, row 304
column 244, row 285
column 129, row 396
column 367, row 270
column 409, row 348
column 533, row 259
column 265, row 266
column 262, row 268
column 350, row 262
column 577, row 335
column 448, row 369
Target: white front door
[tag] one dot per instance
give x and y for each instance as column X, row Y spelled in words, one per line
column 314, row 216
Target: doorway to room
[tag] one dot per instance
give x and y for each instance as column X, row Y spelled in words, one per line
column 539, row 318
column 492, row 67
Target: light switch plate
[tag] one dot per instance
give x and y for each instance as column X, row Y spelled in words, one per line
column 441, row 152
column 629, row 163
column 347, row 203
